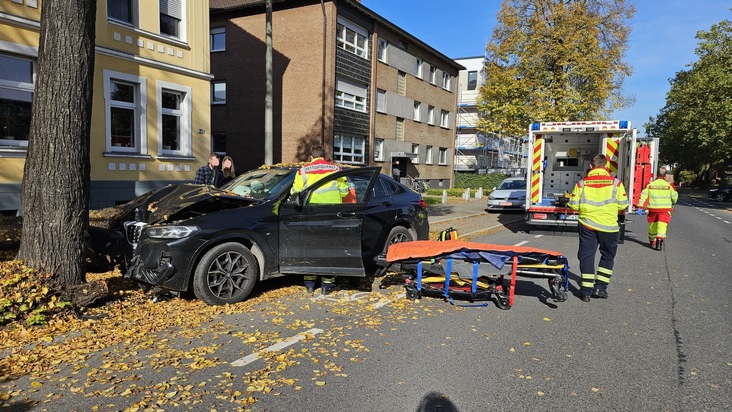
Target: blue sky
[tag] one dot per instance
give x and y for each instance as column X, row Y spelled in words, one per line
column 662, row 41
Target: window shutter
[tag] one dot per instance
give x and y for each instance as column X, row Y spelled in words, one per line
column 172, row 8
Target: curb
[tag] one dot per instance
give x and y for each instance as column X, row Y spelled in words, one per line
column 450, row 219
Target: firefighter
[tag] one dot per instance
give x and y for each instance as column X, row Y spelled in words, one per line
column 658, row 198
column 316, row 169
column 599, row 197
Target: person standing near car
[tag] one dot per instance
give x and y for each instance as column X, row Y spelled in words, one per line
column 658, row 198
column 598, row 198
column 396, row 172
column 333, row 193
column 209, row 174
column 228, row 170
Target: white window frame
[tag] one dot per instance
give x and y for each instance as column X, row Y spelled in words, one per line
column 446, row 81
column 428, row 155
column 213, row 91
column 431, row 115
column 379, row 150
column 9, row 88
column 140, row 108
column 444, row 119
column 418, row 66
column 381, row 101
column 184, row 113
column 134, row 4
column 343, row 29
column 415, row 150
column 417, row 111
column 182, row 16
column 216, row 31
column 360, row 141
column 350, row 95
column 382, row 54
column 472, row 73
column 433, row 74
column 442, row 160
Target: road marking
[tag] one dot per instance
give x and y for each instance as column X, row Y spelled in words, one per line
column 380, row 305
column 521, row 243
column 725, row 221
column 277, row 346
column 538, row 236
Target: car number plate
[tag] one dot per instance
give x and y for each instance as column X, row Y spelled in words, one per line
column 571, row 217
column 505, row 204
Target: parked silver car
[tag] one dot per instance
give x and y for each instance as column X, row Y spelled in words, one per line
column 510, row 194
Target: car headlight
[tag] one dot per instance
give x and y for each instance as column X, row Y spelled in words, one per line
column 170, row 232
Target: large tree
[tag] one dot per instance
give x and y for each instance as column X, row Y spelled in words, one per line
column 555, row 60
column 55, row 192
column 695, row 125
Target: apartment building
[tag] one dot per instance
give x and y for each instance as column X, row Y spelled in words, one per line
column 151, row 107
column 343, row 77
column 476, row 150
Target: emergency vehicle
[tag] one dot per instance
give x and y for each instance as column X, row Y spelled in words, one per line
column 560, row 154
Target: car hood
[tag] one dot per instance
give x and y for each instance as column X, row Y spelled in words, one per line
column 508, row 193
column 186, row 201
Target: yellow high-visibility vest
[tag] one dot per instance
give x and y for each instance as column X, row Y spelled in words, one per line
column 598, row 198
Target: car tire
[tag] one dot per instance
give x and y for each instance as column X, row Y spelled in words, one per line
column 225, row 274
column 398, row 234
column 720, row 197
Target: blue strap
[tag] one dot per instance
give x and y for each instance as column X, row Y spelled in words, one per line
column 474, row 286
column 448, row 271
column 419, row 276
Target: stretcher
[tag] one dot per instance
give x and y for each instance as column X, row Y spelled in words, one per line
column 472, row 271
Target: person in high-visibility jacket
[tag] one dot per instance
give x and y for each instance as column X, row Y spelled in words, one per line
column 331, row 193
column 659, row 198
column 599, row 198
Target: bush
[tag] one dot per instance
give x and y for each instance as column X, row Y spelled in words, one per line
column 450, row 192
column 474, row 181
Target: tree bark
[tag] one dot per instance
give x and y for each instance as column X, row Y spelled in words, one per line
column 55, row 191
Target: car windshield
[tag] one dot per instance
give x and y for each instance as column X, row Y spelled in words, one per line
column 261, row 183
column 512, row 185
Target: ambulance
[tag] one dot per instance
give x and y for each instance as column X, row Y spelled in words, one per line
column 560, row 154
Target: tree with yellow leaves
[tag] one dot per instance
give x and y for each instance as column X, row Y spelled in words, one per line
column 555, row 60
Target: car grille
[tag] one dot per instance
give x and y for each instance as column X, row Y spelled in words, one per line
column 132, row 232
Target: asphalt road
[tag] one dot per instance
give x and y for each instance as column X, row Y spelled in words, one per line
column 661, row 342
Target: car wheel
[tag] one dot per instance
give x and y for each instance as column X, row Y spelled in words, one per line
column 226, row 274
column 398, row 234
column 720, row 197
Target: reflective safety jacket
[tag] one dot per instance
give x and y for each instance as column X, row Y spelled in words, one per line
column 658, row 196
column 598, row 198
column 314, row 171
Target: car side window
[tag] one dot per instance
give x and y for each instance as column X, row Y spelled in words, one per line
column 345, row 189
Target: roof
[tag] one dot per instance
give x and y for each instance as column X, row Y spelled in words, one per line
column 217, row 6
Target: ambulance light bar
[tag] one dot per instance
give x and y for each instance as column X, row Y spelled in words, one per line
column 582, row 126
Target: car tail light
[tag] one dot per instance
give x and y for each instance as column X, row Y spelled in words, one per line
column 422, row 203
column 541, row 216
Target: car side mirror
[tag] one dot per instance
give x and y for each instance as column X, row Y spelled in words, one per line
column 295, row 199
column 494, row 188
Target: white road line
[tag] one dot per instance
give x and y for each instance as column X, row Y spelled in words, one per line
column 725, row 221
column 718, row 217
column 380, row 305
column 521, row 243
column 277, row 346
column 538, row 236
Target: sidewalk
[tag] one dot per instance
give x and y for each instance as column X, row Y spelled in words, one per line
column 469, row 218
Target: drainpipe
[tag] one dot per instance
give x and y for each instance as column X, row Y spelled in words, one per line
column 322, row 87
column 268, row 133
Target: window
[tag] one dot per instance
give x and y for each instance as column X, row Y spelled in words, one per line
column 417, row 111
column 446, row 80
column 174, row 119
column 379, row 150
column 433, row 71
column 352, row 38
column 443, row 156
column 125, row 97
column 218, row 92
column 350, row 95
column 399, row 132
column 472, row 80
column 218, row 142
column 431, row 115
column 415, row 150
column 121, row 10
column 401, row 83
column 16, row 96
column 218, row 39
column 381, row 101
column 418, row 68
column 428, row 155
column 444, row 118
column 403, row 45
column 349, row 149
column 383, row 44
column 171, row 15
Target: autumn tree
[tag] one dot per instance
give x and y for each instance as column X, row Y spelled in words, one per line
column 695, row 124
column 55, row 192
column 555, row 60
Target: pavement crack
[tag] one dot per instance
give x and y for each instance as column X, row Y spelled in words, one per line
column 678, row 338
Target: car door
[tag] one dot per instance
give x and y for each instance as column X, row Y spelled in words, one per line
column 325, row 239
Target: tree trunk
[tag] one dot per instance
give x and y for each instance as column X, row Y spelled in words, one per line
column 55, row 192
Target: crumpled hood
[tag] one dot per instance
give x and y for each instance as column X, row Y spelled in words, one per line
column 186, row 201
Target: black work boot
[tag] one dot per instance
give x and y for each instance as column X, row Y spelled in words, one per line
column 310, row 285
column 328, row 288
column 599, row 293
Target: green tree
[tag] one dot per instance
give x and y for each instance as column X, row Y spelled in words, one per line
column 55, row 192
column 555, row 60
column 695, row 125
